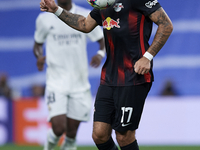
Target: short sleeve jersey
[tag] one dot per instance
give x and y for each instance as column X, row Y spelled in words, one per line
column 66, row 54
column 127, row 29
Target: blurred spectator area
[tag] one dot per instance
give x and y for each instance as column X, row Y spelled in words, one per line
column 176, row 70
column 169, row 89
column 37, row 90
column 5, row 90
column 178, row 60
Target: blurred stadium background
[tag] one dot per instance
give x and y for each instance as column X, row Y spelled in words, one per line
column 171, row 114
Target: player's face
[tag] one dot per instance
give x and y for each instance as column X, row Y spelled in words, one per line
column 64, row 2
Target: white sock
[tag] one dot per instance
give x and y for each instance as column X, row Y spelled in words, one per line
column 51, row 137
column 52, row 140
column 69, row 144
column 70, row 141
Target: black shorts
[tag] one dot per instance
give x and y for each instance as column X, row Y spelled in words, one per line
column 121, row 106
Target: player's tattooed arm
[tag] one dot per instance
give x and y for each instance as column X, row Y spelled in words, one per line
column 75, row 21
column 164, row 30
column 78, row 22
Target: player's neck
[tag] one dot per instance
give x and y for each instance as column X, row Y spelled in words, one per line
column 66, row 6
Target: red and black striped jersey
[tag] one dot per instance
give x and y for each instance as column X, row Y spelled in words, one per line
column 127, row 29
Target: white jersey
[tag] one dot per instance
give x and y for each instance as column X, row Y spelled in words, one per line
column 66, row 55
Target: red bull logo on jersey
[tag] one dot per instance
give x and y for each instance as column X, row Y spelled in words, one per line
column 109, row 23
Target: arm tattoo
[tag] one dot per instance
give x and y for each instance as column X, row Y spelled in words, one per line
column 163, row 32
column 73, row 20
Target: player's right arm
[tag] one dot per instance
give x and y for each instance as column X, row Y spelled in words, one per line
column 38, row 52
column 75, row 21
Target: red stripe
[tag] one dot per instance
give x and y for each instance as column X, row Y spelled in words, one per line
column 127, row 66
column 121, row 76
column 142, row 35
column 127, row 62
column 110, row 41
column 103, row 75
column 103, row 71
column 132, row 21
column 103, row 17
column 147, row 76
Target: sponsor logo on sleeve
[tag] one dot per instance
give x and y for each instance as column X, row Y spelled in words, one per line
column 150, row 4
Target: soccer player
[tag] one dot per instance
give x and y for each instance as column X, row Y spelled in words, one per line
column 67, row 93
column 127, row 75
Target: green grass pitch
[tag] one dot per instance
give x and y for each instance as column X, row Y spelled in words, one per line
column 14, row 147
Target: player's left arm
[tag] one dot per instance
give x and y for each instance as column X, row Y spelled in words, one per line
column 96, row 59
column 163, row 32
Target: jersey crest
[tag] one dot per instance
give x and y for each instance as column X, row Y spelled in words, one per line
column 118, row 7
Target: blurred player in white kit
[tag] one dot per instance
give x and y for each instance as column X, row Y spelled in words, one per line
column 67, row 92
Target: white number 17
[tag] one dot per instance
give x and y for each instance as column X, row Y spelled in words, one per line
column 126, row 109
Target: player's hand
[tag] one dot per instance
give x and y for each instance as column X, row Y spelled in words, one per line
column 40, row 63
column 48, row 5
column 96, row 61
column 142, row 66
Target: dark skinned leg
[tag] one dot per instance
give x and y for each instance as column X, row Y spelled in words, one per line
column 72, row 127
column 59, row 124
column 71, row 132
